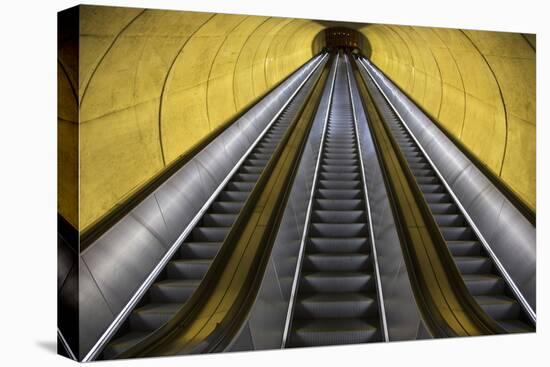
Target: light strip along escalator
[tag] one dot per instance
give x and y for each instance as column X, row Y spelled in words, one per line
column 336, row 300
column 185, row 270
column 479, row 272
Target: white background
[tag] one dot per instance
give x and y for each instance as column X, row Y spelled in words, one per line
column 28, row 181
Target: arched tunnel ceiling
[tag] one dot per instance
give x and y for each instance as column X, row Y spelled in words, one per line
column 153, row 83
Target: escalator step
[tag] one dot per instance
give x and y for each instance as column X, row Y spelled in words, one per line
column 438, row 198
column 229, row 207
column 337, row 194
column 227, row 195
column 339, row 216
column 187, row 268
column 515, row 326
column 332, row 262
column 326, row 204
column 123, row 343
column 338, row 230
column 457, row 233
column 173, row 291
column 464, row 248
column 339, row 185
column 336, row 282
column 484, row 284
column 219, row 219
column 447, row 220
column 339, row 169
column 339, row 176
column 338, row 245
column 335, row 305
column 443, row 208
column 152, row 316
column 432, row 188
column 240, row 186
column 199, row 250
column 209, row 234
column 334, row 332
column 499, row 307
column 473, row 264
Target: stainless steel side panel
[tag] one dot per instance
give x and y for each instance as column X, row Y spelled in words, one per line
column 116, row 265
column 266, row 321
column 510, row 236
column 403, row 318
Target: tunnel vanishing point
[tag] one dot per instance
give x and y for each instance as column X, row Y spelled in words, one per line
column 178, row 129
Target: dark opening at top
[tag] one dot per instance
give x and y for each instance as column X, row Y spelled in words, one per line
column 342, row 37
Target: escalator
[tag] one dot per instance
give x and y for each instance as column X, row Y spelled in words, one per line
column 336, row 300
column 186, row 269
column 480, row 273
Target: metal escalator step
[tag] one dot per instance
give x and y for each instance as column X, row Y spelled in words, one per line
column 464, row 248
column 187, row 268
column 338, row 245
column 427, row 180
column 438, row 198
column 333, row 305
column 447, row 220
column 209, row 234
column 416, row 160
column 515, row 326
column 340, row 155
column 432, row 188
column 336, row 282
column 219, row 219
column 247, row 169
column 473, row 264
column 333, row 262
column 484, row 284
column 199, row 250
column 342, row 150
column 339, row 169
column 240, row 186
column 443, row 208
column 173, row 290
column 259, row 155
column 339, row 216
column 339, row 185
column 340, row 161
column 339, row 230
column 333, row 332
column 228, row 207
column 457, row 233
column 123, row 343
column 247, row 177
column 422, row 172
column 339, row 176
column 151, row 316
column 228, row 195
column 342, row 204
column 499, row 307
column 419, row 165
column 336, row 194
column 268, row 151
column 257, row 162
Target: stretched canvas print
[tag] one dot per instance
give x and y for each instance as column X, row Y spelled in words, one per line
column 235, row 183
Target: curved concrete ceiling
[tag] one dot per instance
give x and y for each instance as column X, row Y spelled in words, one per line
column 154, row 83
column 479, row 85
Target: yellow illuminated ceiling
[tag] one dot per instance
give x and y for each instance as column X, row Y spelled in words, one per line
column 153, row 83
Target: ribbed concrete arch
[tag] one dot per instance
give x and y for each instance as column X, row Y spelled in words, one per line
column 155, row 83
column 479, row 85
column 152, row 84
